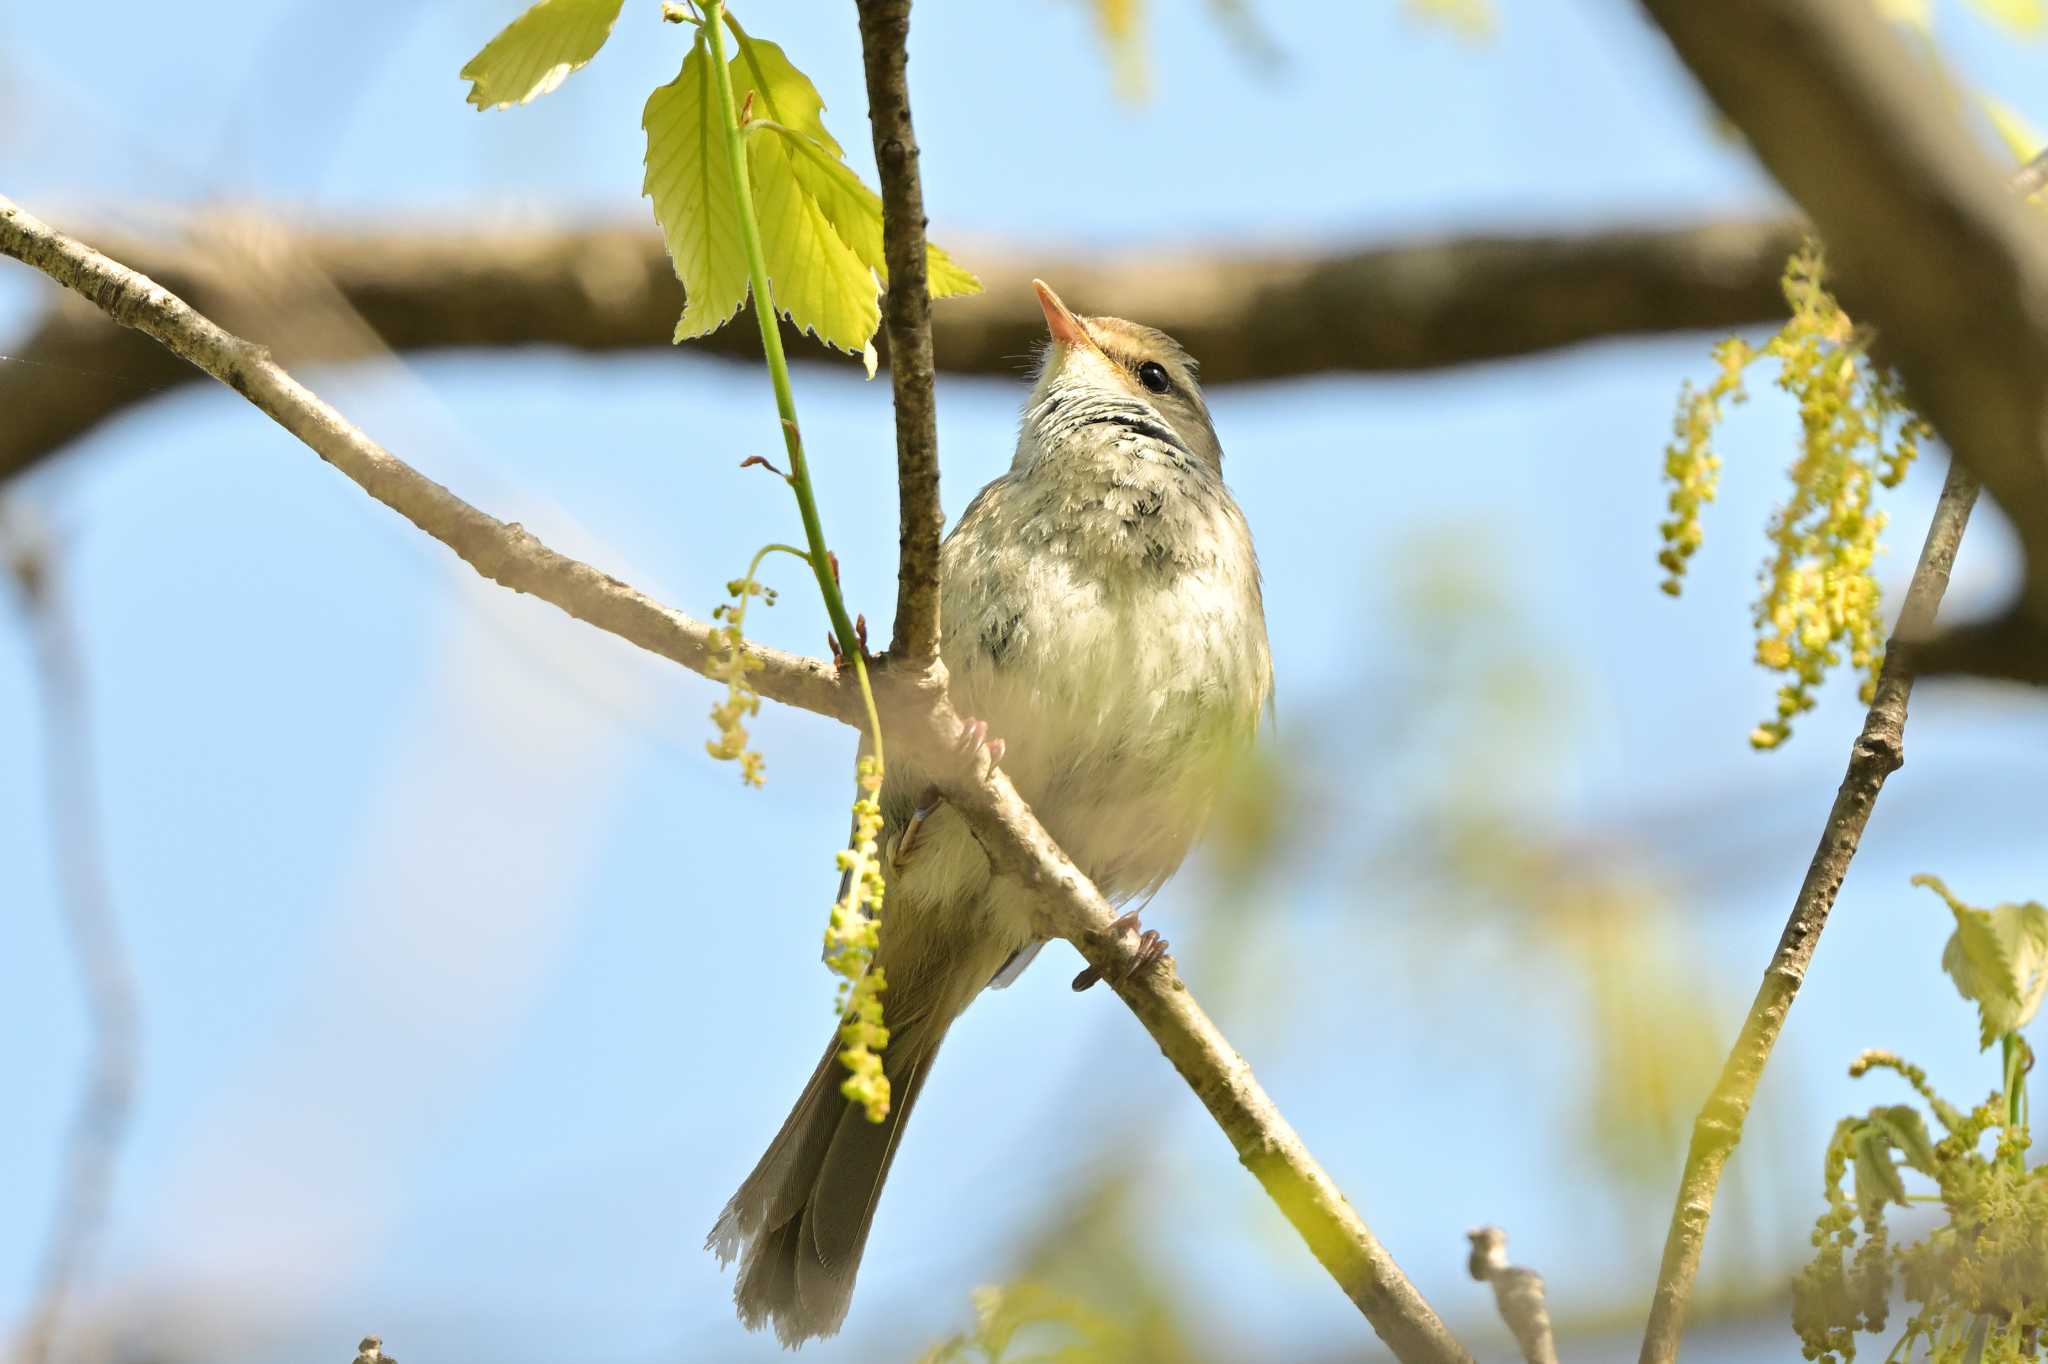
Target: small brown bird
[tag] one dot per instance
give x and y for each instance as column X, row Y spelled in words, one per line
column 1100, row 611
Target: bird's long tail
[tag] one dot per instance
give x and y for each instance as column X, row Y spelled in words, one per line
column 799, row 1222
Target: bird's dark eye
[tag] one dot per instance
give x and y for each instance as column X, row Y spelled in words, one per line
column 1152, row 375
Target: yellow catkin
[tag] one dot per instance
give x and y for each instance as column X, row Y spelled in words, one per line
column 732, row 666
column 1690, row 464
column 851, row 937
column 853, row 932
column 1818, row 601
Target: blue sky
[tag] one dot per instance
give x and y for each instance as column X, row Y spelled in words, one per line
column 470, row 987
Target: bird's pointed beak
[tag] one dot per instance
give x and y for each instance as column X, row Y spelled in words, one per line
column 1059, row 320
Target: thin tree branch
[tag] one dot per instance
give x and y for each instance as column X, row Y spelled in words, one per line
column 1928, row 243
column 1518, row 1292
column 1250, row 316
column 1878, row 752
column 1266, row 1145
column 907, row 323
column 100, row 1124
column 504, row 552
column 916, row 714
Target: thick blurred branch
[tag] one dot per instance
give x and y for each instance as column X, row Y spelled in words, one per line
column 101, row 1121
column 1517, row 1291
column 2008, row 648
column 1879, row 751
column 1249, row 316
column 335, row 296
column 917, row 717
column 1928, row 242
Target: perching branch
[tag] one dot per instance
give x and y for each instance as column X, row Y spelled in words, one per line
column 916, row 714
column 1879, row 751
column 1018, row 846
column 101, row 1121
column 907, row 323
column 1517, row 1291
column 1250, row 316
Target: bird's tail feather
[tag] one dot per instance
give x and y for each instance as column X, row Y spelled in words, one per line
column 800, row 1221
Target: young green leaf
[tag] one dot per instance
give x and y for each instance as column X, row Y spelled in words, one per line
column 535, row 53
column 1998, row 959
column 781, row 92
column 689, row 178
column 820, row 282
column 1877, row 1179
column 855, row 212
column 1907, row 1130
column 821, row 228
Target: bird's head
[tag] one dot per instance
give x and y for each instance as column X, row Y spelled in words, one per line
column 1106, row 372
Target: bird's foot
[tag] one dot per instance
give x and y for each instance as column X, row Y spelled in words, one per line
column 975, row 743
column 1151, row 947
column 976, row 740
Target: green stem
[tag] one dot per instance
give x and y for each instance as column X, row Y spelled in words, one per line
column 791, row 550
column 2014, row 1054
column 739, row 615
column 778, row 368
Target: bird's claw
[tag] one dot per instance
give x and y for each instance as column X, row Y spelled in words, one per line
column 975, row 739
column 1151, row 947
column 905, row 845
column 974, row 742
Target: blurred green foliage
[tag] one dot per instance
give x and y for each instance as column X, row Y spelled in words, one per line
column 1978, row 1281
